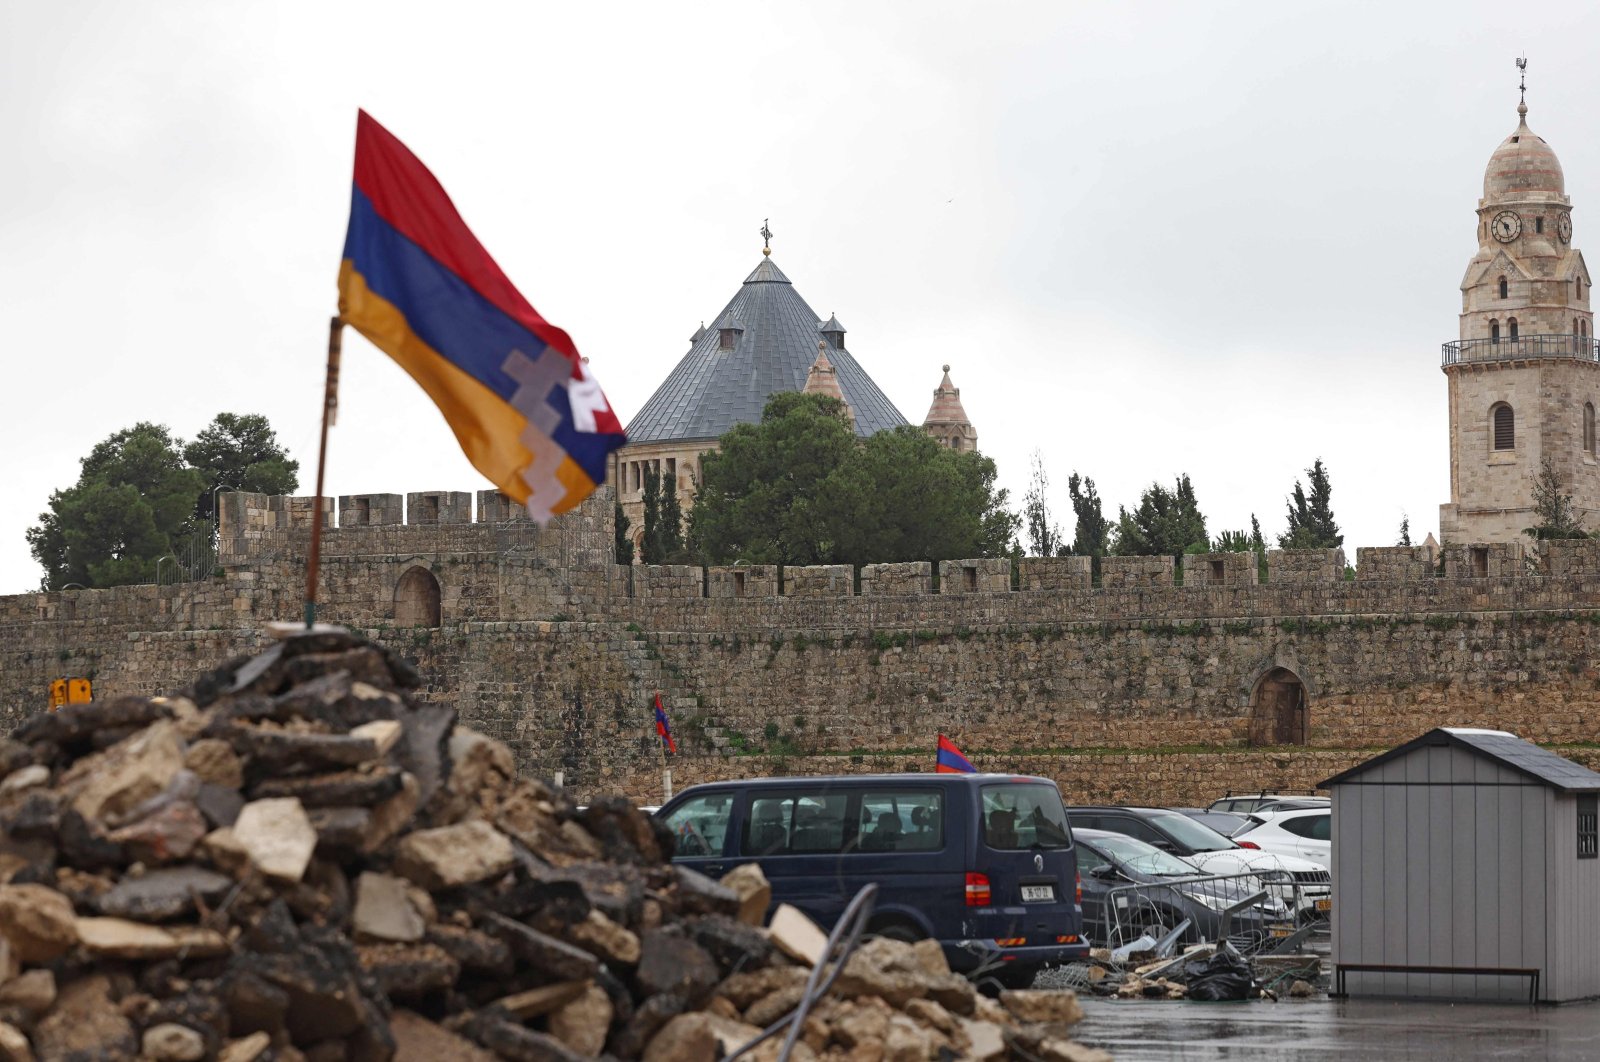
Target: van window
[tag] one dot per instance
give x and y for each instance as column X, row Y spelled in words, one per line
column 1024, row 815
column 790, row 823
column 902, row 820
column 701, row 824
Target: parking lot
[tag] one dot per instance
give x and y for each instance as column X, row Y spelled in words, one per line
column 1320, row 1028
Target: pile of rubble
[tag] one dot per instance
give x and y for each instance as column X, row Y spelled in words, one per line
column 297, row 860
column 1205, row 972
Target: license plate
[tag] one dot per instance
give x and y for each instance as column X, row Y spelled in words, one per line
column 1324, row 905
column 1281, row 931
column 1036, row 893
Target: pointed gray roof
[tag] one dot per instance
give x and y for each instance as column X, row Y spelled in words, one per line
column 831, row 325
column 711, row 389
column 1507, row 749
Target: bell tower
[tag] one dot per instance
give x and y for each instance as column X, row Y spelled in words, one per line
column 1524, row 376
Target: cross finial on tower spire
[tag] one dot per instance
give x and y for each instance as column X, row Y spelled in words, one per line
column 1522, row 85
column 766, row 237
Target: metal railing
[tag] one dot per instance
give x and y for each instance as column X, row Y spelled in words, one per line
column 192, row 559
column 1520, row 348
column 1158, row 908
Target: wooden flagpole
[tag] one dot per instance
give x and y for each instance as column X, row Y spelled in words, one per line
column 330, row 408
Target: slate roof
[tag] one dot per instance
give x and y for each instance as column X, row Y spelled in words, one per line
column 1508, row 750
column 710, row 389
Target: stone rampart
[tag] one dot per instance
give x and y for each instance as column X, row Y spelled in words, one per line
column 539, row 639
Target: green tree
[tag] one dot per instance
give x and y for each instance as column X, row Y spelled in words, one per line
column 240, row 452
column 133, row 497
column 1044, row 536
column 901, row 496
column 1091, row 529
column 1553, row 507
column 669, row 523
column 1165, row 523
column 648, row 542
column 799, row 488
column 1231, row 542
column 763, row 500
column 1405, row 530
column 623, row 545
column 1311, row 523
column 1257, row 543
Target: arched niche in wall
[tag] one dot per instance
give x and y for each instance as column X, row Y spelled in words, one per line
column 1278, row 713
column 416, row 599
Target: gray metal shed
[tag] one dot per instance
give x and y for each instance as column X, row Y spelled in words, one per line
column 1465, row 867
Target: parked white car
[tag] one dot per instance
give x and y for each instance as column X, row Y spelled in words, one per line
column 1304, row 833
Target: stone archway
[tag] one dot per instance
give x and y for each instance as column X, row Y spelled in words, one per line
column 1278, row 709
column 416, row 599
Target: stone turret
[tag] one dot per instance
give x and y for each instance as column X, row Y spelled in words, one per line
column 947, row 420
column 821, row 379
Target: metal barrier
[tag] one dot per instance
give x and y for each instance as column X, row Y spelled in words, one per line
column 1158, row 908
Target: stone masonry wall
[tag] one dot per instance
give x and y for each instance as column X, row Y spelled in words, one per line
column 1138, row 689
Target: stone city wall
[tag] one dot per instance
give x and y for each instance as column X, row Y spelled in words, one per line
column 1136, row 689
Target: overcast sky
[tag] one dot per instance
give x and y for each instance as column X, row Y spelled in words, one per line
column 1214, row 238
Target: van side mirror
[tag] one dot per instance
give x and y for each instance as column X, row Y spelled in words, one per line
column 1104, row 870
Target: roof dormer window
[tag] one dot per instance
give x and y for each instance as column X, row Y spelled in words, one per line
column 728, row 336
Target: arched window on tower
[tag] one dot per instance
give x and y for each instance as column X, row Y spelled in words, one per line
column 1588, row 428
column 1504, row 424
column 1494, row 330
column 1511, row 327
column 1502, row 287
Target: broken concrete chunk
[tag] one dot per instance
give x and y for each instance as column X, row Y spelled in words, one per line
column 416, row 1039
column 361, row 788
column 32, row 992
column 28, row 777
column 408, row 969
column 384, row 911
column 278, row 837
column 697, row 1036
column 85, row 1024
column 755, row 894
column 284, row 748
column 796, row 935
column 383, row 733
column 1052, row 1006
column 108, row 784
column 163, row 836
column 582, row 1023
column 215, row 762
column 246, row 1049
column 552, row 957
column 38, row 921
column 121, row 939
column 14, row 1045
column 672, row 964
column 162, row 894
column 542, row 1000
column 171, row 1042
column 393, row 815
column 449, row 856
column 605, row 938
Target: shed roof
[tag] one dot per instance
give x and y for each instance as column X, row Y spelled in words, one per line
column 1503, row 748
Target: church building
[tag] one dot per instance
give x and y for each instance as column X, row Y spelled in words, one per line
column 1524, row 378
column 766, row 340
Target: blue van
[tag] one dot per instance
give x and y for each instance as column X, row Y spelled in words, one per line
column 982, row 863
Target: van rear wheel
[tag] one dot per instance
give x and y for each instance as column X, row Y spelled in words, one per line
column 901, row 931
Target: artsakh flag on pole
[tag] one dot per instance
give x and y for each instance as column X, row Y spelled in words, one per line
column 664, row 728
column 416, row 282
column 952, row 760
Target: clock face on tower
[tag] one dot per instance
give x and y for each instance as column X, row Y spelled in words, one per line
column 1505, row 226
column 1564, row 227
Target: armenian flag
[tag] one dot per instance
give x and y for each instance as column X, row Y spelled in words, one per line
column 663, row 728
column 952, row 760
column 525, row 407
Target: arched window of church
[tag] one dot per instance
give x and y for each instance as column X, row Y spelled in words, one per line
column 1502, row 287
column 1588, row 428
column 1511, row 327
column 1505, row 427
column 416, row 599
column 1494, row 330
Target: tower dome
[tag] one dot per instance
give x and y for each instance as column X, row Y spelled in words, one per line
column 1523, row 164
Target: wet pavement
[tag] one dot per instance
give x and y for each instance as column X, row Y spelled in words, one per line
column 1320, row 1028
